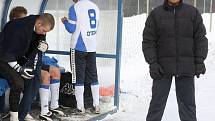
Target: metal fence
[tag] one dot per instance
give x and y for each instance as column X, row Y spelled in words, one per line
column 134, row 7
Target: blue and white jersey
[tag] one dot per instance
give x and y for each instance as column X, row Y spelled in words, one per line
column 83, row 23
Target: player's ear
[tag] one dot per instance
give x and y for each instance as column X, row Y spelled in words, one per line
column 38, row 22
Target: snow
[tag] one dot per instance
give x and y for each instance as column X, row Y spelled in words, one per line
column 136, row 84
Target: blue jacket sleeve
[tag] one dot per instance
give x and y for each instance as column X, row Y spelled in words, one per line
column 71, row 27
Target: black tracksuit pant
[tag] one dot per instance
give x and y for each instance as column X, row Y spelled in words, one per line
column 185, row 93
column 16, row 83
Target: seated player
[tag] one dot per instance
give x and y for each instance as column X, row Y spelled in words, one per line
column 50, row 74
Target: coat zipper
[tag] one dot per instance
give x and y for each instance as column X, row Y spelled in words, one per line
column 176, row 42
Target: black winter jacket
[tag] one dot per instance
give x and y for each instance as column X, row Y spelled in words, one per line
column 28, row 59
column 16, row 37
column 174, row 37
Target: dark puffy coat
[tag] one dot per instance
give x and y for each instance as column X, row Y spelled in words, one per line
column 174, row 37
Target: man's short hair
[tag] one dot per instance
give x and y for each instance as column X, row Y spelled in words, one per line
column 47, row 19
column 16, row 12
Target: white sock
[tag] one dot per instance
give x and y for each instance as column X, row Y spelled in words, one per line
column 95, row 94
column 79, row 92
column 14, row 116
column 54, row 87
column 44, row 100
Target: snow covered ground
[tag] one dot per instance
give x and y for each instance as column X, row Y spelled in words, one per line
column 136, row 84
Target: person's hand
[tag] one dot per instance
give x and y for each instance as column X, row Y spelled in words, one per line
column 156, row 72
column 200, row 69
column 43, row 46
column 64, row 19
column 25, row 72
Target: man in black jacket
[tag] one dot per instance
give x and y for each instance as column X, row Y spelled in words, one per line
column 174, row 44
column 15, row 41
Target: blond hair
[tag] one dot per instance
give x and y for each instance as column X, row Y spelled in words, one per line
column 47, row 19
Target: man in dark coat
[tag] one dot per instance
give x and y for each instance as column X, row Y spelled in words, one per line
column 15, row 41
column 174, row 44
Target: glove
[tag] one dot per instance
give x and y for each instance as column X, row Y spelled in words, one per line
column 156, row 72
column 200, row 69
column 22, row 60
column 43, row 46
column 25, row 72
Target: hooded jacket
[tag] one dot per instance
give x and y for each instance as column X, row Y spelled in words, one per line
column 174, row 37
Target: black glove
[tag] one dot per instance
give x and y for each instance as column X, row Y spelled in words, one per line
column 43, row 46
column 156, row 72
column 25, row 72
column 22, row 60
column 200, row 69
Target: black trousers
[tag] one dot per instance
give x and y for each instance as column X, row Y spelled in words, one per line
column 86, row 70
column 16, row 83
column 185, row 94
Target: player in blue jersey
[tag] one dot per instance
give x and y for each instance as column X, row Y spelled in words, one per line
column 82, row 23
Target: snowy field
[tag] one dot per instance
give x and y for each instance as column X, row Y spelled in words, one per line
column 136, row 84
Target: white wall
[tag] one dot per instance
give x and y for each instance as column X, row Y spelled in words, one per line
column 1, row 11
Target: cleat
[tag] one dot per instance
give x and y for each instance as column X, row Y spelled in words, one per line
column 49, row 117
column 29, row 118
column 58, row 111
column 5, row 116
column 95, row 110
column 77, row 111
